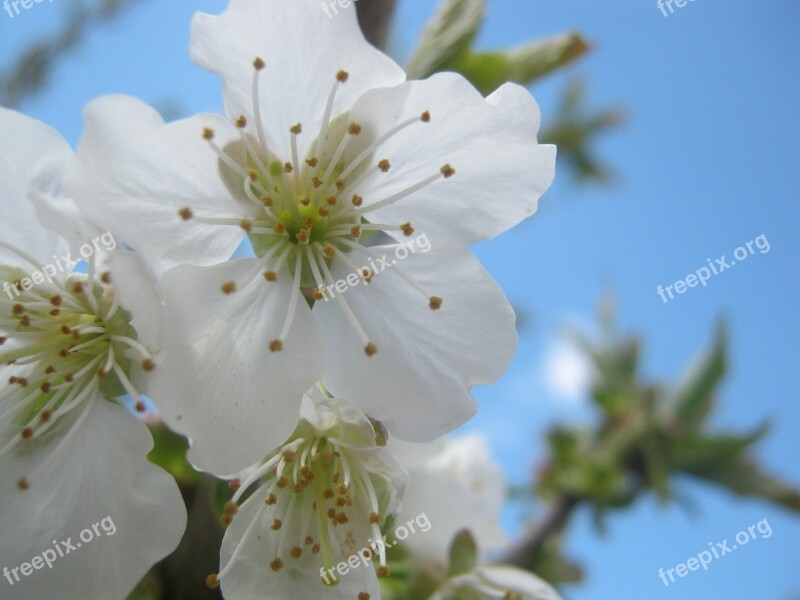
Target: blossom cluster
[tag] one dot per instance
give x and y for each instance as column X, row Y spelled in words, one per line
column 323, row 162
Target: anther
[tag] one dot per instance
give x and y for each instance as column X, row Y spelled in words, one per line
column 56, row 300
column 288, row 167
column 374, row 518
column 185, row 213
column 106, row 278
column 312, row 162
column 234, row 484
column 275, row 346
column 342, row 76
column 276, row 525
column 241, row 122
column 355, row 231
column 229, row 287
column 363, row 596
column 271, row 276
column 271, row 500
column 317, row 181
column 148, row 365
column 18, row 309
column 266, row 201
column 208, row 134
column 370, row 349
column 276, row 565
column 280, row 228
column 45, row 387
column 296, row 552
column 212, row 581
column 329, row 251
column 246, row 224
column 435, row 303
column 27, row 433
column 323, row 212
column 384, row 165
column 426, row 117
column 331, row 200
column 357, row 200
column 407, row 229
column 354, row 129
column 383, row 571
column 45, row 416
column 448, row 171
column 339, row 185
column 140, row 407
column 296, row 129
column 23, row 484
column 77, row 288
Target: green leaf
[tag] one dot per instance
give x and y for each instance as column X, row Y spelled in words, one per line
column 463, row 554
column 692, row 400
column 446, row 36
column 169, row 453
column 524, row 65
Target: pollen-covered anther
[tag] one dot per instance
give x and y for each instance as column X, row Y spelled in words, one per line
column 234, row 484
column 407, row 229
column 140, row 407
column 208, row 134
column 329, row 251
column 370, row 349
column 230, row 508
column 246, row 224
column 339, row 185
column 271, row 276
column 317, row 182
column 296, row 129
column 212, row 581
column 276, row 565
column 357, row 200
column 276, row 525
column 27, row 433
column 45, row 416
column 23, row 484
column 363, row 596
column 312, row 162
column 45, row 387
column 296, row 552
column 374, row 518
column 275, row 346
column 185, row 213
column 228, row 288
column 435, row 303
column 384, row 165
column 77, row 288
column 305, row 201
column 367, row 275
column 280, row 228
column 323, row 212
column 241, row 122
column 355, row 231
column 66, row 330
column 425, row 117
column 383, row 571
column 354, row 129
column 303, row 236
column 331, row 200
column 106, row 278
column 342, row 76
column 288, row 167
column 266, row 201
column 448, row 171
column 148, row 365
column 21, row 381
column 318, row 293
column 25, row 321
column 56, row 300
column 18, row 309
column 258, row 64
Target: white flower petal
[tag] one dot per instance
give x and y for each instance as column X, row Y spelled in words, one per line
column 427, row 360
column 303, row 50
column 102, row 472
column 219, row 383
column 500, row 169
column 31, row 149
column 136, row 172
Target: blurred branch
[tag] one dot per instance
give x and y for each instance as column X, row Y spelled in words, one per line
column 32, row 70
column 648, row 435
column 375, row 17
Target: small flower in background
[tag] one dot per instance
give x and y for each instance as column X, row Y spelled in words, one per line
column 324, row 496
column 497, row 583
column 68, row 452
column 459, row 485
column 327, row 161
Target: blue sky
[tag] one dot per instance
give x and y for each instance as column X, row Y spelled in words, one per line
column 704, row 166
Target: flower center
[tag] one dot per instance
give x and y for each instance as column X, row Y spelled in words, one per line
column 64, row 342
column 305, row 215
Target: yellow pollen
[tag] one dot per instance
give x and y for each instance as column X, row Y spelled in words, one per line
column 276, row 565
